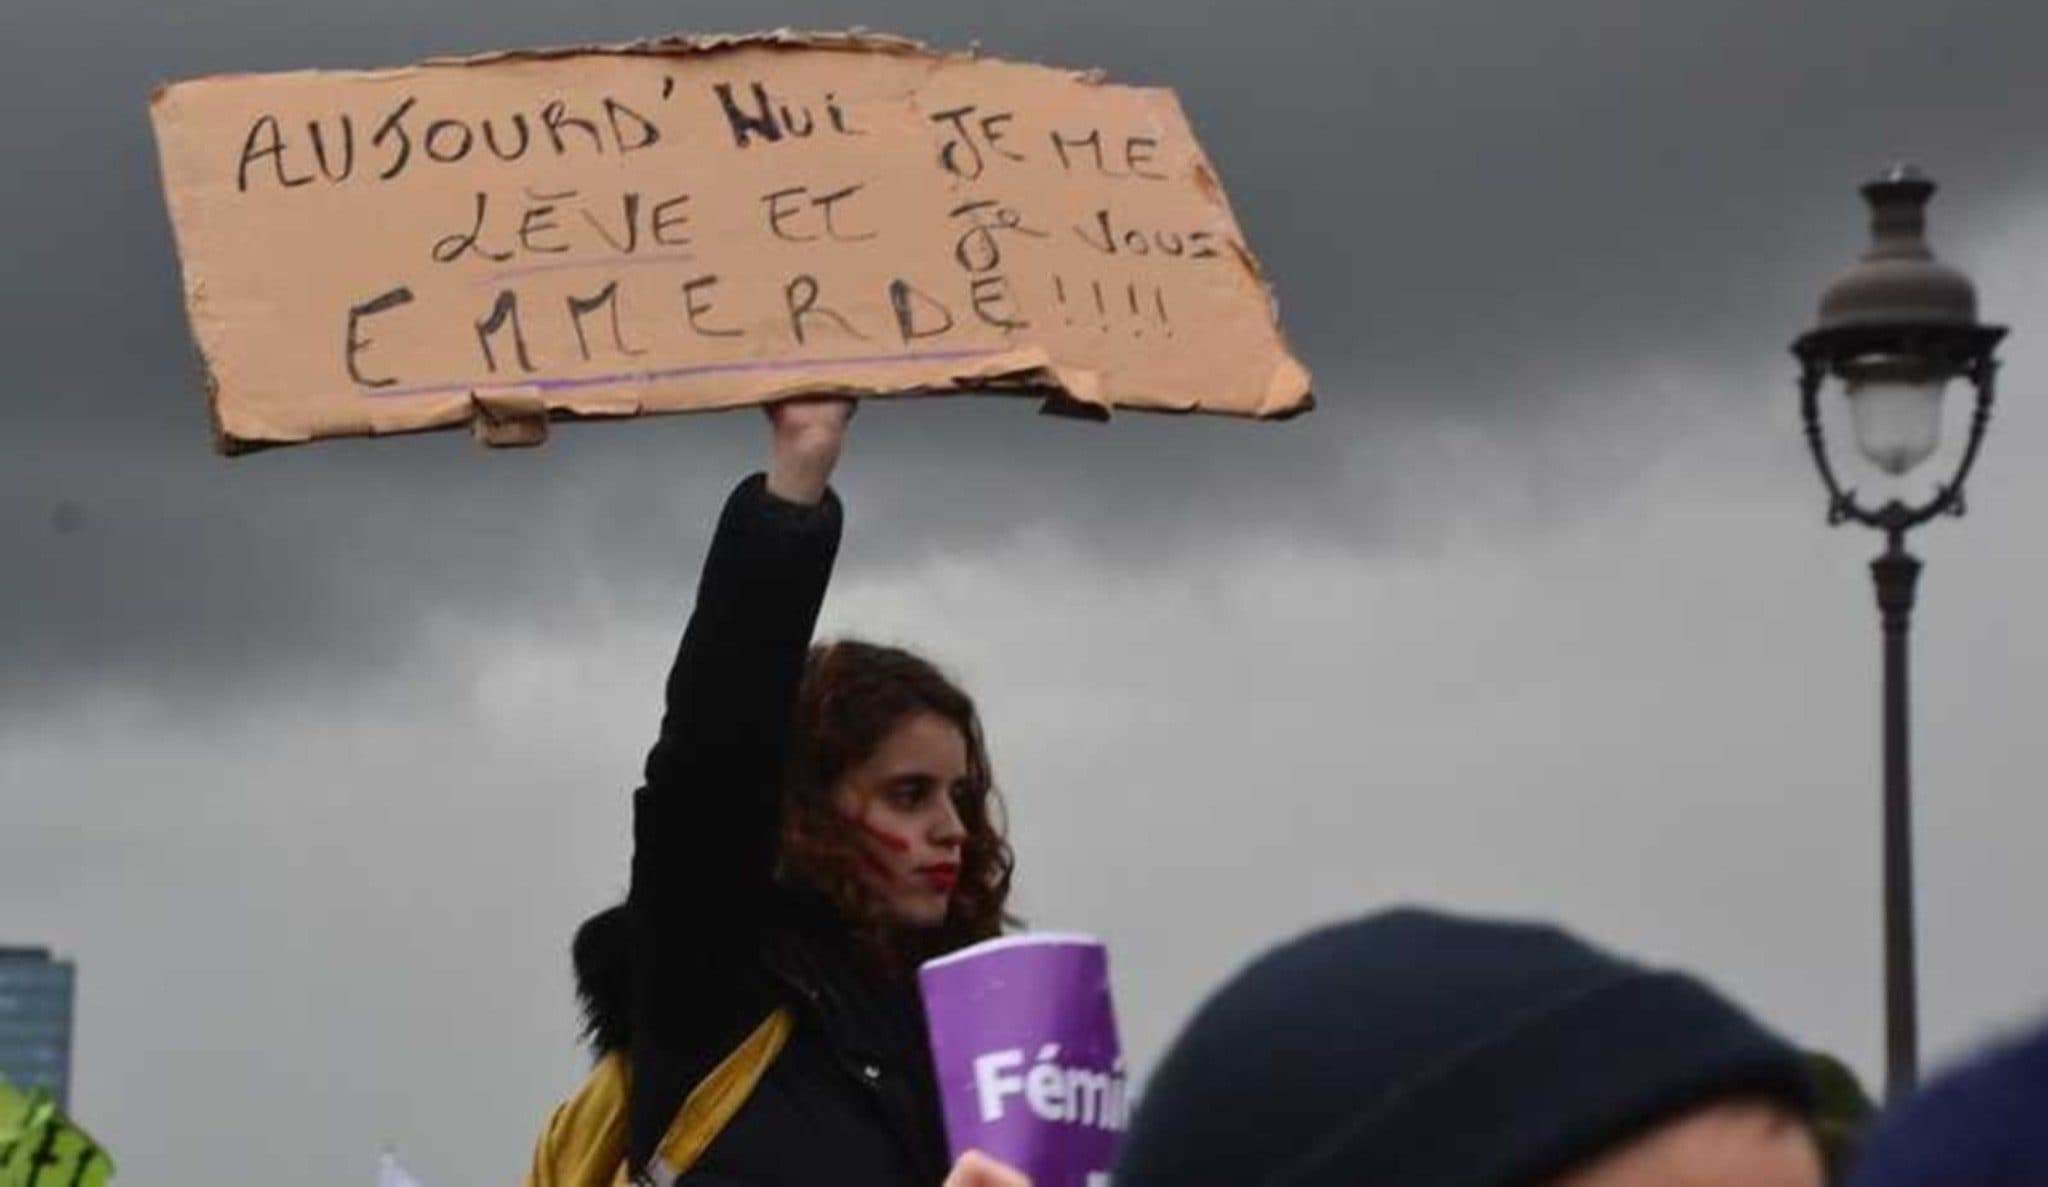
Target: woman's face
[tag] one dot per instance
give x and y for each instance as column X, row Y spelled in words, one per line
column 903, row 803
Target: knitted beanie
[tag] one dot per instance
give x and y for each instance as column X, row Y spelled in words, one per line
column 1417, row 1049
column 1984, row 1124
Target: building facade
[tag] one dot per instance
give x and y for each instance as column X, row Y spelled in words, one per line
column 36, row 995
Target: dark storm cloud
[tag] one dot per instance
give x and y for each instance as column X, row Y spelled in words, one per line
column 1468, row 211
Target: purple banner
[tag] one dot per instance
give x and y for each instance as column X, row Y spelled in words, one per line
column 1029, row 1066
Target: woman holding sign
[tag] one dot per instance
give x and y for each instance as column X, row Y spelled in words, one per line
column 816, row 821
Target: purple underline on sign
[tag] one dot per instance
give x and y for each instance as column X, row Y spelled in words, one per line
column 565, row 265
column 619, row 378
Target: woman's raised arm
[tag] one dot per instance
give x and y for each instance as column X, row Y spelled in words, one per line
column 706, row 822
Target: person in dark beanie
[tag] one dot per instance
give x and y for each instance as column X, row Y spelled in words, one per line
column 1983, row 1125
column 1412, row 1048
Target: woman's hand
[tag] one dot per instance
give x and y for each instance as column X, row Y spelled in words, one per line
column 806, row 434
column 976, row 1169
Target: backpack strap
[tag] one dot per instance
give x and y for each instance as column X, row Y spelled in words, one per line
column 584, row 1144
column 712, row 1103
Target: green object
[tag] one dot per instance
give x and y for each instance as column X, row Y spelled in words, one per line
column 1841, row 1113
column 41, row 1147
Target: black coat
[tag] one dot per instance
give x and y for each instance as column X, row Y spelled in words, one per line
column 709, row 941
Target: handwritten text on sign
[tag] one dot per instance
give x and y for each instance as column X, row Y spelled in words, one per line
column 618, row 232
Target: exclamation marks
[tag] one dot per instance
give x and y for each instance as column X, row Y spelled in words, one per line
column 1143, row 308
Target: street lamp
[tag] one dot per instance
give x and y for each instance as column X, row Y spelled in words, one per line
column 1894, row 330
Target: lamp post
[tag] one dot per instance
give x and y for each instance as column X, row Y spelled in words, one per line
column 1893, row 331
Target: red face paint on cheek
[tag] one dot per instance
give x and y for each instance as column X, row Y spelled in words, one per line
column 886, row 840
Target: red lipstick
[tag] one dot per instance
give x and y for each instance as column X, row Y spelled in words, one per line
column 942, row 877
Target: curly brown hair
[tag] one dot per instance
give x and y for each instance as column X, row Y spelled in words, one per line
column 852, row 695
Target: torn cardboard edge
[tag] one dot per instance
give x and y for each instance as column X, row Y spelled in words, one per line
column 856, row 39
column 497, row 422
column 519, row 418
column 510, row 419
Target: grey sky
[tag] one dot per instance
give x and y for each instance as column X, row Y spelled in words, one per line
column 313, row 758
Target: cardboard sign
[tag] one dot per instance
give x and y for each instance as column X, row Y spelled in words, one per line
column 701, row 223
